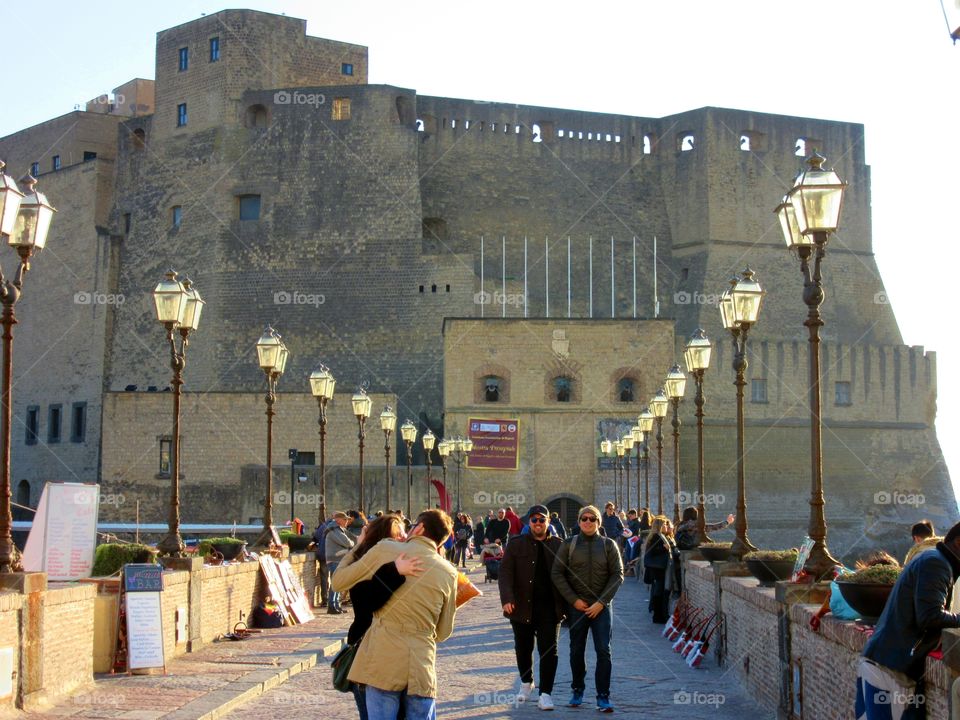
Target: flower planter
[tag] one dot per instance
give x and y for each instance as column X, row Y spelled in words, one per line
column 298, row 543
column 769, row 572
column 868, row 599
column 230, row 551
column 715, row 554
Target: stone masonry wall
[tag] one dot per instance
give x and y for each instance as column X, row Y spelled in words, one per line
column 11, row 605
column 67, row 638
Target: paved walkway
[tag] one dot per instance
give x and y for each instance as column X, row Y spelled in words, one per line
column 285, row 673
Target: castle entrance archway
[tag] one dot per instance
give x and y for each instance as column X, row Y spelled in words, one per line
column 566, row 506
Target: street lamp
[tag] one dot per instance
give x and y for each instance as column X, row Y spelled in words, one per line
column 739, row 309
column 322, row 384
column 658, row 405
column 461, row 449
column 676, row 384
column 388, row 423
column 619, row 449
column 808, row 215
column 361, row 410
column 443, row 448
column 697, row 358
column 606, row 447
column 272, row 355
column 627, row 442
column 638, row 444
column 408, row 431
column 429, row 440
column 178, row 307
column 25, row 221
column 645, row 423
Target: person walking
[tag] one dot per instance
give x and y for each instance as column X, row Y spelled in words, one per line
column 516, row 524
column 657, row 553
column 532, row 603
column 336, row 545
column 557, row 524
column 612, row 525
column 323, row 570
column 399, row 650
column 478, row 532
column 462, row 530
column 498, row 528
column 588, row 572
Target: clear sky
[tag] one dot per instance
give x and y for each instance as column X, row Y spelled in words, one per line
column 890, row 66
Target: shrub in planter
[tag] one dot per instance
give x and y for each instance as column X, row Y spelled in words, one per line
column 111, row 557
column 715, row 552
column 229, row 547
column 297, row 543
column 867, row 590
column 882, row 574
column 769, row 566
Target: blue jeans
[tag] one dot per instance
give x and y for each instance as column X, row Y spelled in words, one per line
column 384, row 705
column 600, row 628
column 333, row 597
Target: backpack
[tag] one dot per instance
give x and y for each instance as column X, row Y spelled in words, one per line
column 687, row 538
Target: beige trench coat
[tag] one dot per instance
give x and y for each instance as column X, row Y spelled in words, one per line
column 400, row 648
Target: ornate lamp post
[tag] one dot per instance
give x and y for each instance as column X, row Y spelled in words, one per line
column 627, row 442
column 658, row 405
column 322, row 384
column 178, row 307
column 25, row 219
column 444, row 447
column 388, row 423
column 462, row 447
column 619, row 449
column 645, row 423
column 676, row 384
column 429, row 440
column 697, row 358
column 739, row 309
column 272, row 355
column 408, row 431
column 361, row 410
column 606, row 447
column 808, row 215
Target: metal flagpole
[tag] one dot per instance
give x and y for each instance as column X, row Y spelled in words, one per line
column 503, row 273
column 547, row 266
column 635, row 280
column 482, row 297
column 656, row 297
column 613, row 282
column 591, row 276
column 568, row 276
column 525, row 276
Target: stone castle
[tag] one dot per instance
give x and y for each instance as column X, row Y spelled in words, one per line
column 425, row 246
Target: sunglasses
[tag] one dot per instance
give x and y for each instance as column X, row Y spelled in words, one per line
column 538, row 520
column 588, row 518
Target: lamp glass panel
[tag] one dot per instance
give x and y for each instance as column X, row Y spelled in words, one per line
column 428, row 440
column 282, row 359
column 618, row 446
column 645, row 420
column 444, row 448
column 408, row 431
column 361, row 404
column 169, row 300
column 788, row 225
column 747, row 297
column 268, row 350
column 659, row 404
column 817, row 199
column 637, row 434
column 192, row 309
column 322, row 383
column 10, row 199
column 33, row 222
column 388, row 420
column 468, row 446
column 726, row 311
column 697, row 354
column 676, row 383
column 627, row 441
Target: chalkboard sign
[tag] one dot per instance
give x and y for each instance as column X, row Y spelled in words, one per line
column 142, row 577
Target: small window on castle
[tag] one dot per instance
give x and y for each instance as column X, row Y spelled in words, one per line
column 433, row 288
column 126, row 223
column 165, row 448
column 183, row 56
column 685, row 142
column 684, row 274
column 88, row 156
column 249, row 207
column 139, row 139
column 256, row 117
column 35, row 169
column 33, row 424
column 214, row 49
column 78, row 422
column 625, row 390
column 536, row 133
column 448, row 288
column 176, row 216
column 346, row 68
column 562, row 388
column 758, row 390
column 181, row 114
column 341, row 109
column 55, row 163
column 492, row 388
column 421, row 288
column 842, row 394
column 54, row 420
column 647, row 145
column 745, row 143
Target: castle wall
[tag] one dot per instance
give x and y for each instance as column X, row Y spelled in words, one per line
column 68, row 136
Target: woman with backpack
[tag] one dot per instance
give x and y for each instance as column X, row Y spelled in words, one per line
column 462, row 532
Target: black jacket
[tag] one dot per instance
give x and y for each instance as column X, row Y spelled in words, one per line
column 558, row 526
column 517, row 572
column 658, row 553
column 468, row 530
column 592, row 572
column 371, row 595
column 915, row 613
column 498, row 529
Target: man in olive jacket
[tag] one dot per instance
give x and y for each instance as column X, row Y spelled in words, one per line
column 532, row 604
column 588, row 572
column 399, row 651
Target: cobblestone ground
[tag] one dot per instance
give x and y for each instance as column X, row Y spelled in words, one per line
column 478, row 676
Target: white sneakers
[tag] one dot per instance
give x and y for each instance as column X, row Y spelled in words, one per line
column 545, row 702
column 525, row 690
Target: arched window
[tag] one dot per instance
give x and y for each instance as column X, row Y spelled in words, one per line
column 562, row 388
column 625, row 390
column 492, row 386
column 257, row 117
column 139, row 139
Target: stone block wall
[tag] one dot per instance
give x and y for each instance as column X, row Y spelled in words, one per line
column 229, row 594
column 11, row 605
column 67, row 638
column 175, row 596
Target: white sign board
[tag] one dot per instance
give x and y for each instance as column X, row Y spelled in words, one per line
column 144, row 630
column 63, row 537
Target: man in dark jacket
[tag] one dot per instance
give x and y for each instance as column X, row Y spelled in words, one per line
column 532, row 604
column 557, row 524
column 612, row 525
column 588, row 572
column 319, row 552
column 917, row 610
column 498, row 529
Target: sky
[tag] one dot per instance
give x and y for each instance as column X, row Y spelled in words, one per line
column 890, row 66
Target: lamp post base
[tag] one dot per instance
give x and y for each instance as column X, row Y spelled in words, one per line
column 171, row 545
column 740, row 547
column 820, row 563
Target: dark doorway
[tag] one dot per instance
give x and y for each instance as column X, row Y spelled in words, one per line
column 567, row 508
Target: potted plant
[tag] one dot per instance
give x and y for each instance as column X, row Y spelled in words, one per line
column 867, row 590
column 715, row 552
column 110, row 557
column 229, row 547
column 769, row 566
column 297, row 543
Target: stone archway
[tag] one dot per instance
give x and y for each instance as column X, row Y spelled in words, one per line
column 566, row 506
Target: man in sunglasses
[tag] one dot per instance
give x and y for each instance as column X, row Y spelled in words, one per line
column 532, row 604
column 588, row 572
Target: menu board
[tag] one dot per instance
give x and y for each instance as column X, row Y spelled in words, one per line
column 144, row 630
column 63, row 536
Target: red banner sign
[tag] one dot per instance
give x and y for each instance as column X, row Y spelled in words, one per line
column 496, row 444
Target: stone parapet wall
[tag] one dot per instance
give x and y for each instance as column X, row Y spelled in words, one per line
column 67, row 631
column 10, row 629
